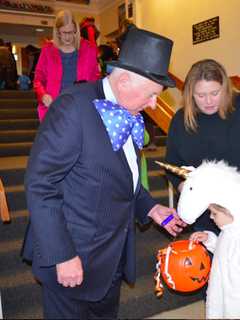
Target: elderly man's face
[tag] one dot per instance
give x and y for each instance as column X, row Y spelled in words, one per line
column 140, row 95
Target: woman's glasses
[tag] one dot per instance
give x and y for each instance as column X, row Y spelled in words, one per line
column 66, row 34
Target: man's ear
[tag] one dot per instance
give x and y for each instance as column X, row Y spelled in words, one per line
column 123, row 82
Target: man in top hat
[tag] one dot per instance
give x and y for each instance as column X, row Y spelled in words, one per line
column 82, row 184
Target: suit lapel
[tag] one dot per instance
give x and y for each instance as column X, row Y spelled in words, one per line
column 120, row 154
column 124, row 161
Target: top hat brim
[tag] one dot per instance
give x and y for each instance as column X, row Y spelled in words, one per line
column 165, row 81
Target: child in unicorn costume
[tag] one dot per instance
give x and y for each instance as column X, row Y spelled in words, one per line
column 216, row 186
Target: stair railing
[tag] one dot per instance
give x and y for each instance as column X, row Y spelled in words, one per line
column 161, row 115
column 236, row 82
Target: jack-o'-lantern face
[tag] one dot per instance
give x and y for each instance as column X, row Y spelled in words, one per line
column 186, row 266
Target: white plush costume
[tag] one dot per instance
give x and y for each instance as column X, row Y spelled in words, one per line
column 216, row 182
column 223, row 293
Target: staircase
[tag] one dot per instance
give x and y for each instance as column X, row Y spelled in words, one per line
column 21, row 296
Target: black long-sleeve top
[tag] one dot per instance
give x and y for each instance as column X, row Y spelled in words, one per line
column 215, row 139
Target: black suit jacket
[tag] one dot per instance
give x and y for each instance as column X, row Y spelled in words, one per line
column 80, row 197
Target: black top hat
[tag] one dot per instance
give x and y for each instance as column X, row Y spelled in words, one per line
column 148, row 54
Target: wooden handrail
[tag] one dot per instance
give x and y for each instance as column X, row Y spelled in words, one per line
column 4, row 212
column 162, row 115
column 236, row 82
column 179, row 82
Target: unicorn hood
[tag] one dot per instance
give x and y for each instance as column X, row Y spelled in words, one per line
column 212, row 182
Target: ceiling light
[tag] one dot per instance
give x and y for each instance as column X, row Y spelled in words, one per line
column 39, row 30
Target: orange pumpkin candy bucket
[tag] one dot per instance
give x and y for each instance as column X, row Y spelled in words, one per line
column 184, row 266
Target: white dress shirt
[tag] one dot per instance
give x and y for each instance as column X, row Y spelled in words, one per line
column 128, row 147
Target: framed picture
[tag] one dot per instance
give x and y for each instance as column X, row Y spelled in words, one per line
column 121, row 14
column 130, row 10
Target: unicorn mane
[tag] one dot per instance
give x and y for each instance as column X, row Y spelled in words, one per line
column 211, row 182
column 221, row 168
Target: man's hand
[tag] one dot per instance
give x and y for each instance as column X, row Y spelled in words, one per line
column 159, row 213
column 70, row 273
column 47, row 100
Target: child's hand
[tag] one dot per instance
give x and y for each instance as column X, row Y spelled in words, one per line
column 199, row 236
column 47, row 100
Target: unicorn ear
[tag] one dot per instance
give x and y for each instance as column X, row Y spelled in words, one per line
column 180, row 171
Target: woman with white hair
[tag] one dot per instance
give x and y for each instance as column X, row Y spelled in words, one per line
column 63, row 61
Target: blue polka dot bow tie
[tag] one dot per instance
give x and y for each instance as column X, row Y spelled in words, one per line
column 120, row 123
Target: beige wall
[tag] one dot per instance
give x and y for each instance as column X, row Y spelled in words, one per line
column 108, row 20
column 174, row 19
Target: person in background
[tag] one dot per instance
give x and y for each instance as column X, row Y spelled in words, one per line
column 8, row 70
column 13, row 74
column 24, row 81
column 105, row 54
column 62, row 62
column 2, row 65
column 125, row 26
column 223, row 294
column 89, row 30
column 207, row 127
column 83, row 184
column 33, row 54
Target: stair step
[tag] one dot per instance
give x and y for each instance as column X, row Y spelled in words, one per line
column 12, row 282
column 13, row 94
column 13, row 163
column 29, row 113
column 8, row 246
column 159, row 152
column 13, row 103
column 160, row 140
column 15, row 149
column 16, row 198
column 161, row 196
column 151, row 163
column 157, row 182
column 17, row 135
column 158, row 131
column 12, row 177
column 16, row 124
column 12, row 231
column 19, row 214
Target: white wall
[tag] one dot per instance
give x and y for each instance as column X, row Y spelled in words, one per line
column 174, row 19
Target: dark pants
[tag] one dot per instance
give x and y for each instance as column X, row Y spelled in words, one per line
column 60, row 306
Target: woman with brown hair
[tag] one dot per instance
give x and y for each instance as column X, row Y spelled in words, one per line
column 62, row 62
column 207, row 127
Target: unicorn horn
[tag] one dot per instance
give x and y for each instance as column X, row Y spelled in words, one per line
column 177, row 170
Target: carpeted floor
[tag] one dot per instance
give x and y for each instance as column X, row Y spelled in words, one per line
column 21, row 295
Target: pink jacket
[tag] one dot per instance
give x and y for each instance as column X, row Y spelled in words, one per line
column 48, row 72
